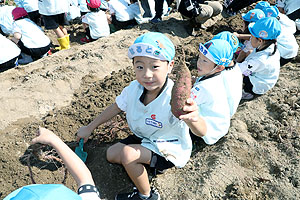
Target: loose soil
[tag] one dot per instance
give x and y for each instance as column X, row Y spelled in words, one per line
column 257, row 159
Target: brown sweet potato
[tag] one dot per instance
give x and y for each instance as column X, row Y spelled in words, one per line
column 182, row 88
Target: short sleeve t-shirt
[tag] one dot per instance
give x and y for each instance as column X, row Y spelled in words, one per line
column 32, row 35
column 98, row 24
column 8, row 49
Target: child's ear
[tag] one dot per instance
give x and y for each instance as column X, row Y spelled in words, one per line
column 170, row 66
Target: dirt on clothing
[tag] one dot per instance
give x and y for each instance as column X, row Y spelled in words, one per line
column 259, row 158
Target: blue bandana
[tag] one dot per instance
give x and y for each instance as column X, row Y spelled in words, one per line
column 218, row 51
column 229, row 37
column 152, row 45
column 44, row 192
column 268, row 28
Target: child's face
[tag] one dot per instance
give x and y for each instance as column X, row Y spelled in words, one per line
column 205, row 66
column 255, row 42
column 151, row 73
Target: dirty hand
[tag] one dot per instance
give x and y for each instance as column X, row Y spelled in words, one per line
column 191, row 108
column 44, row 136
column 83, row 132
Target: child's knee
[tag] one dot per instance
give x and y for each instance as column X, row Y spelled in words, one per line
column 128, row 155
column 111, row 154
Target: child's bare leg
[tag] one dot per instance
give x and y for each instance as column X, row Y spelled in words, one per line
column 132, row 158
column 64, row 30
column 113, row 153
column 59, row 33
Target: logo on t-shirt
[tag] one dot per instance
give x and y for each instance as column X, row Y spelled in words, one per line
column 154, row 123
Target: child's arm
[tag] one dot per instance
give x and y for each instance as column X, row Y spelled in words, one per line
column 17, row 37
column 192, row 119
column 85, row 131
column 242, row 36
column 74, row 164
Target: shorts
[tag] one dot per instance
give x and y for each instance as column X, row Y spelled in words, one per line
column 157, row 162
column 122, row 25
column 248, row 87
column 8, row 64
column 88, row 34
column 35, row 17
column 54, row 21
column 35, row 53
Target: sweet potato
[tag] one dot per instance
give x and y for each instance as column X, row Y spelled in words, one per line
column 182, row 88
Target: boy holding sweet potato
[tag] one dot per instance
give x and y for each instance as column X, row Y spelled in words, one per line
column 210, row 107
column 159, row 139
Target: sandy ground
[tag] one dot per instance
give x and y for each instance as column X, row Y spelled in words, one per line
column 257, row 159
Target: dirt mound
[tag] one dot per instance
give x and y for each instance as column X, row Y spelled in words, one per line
column 257, row 159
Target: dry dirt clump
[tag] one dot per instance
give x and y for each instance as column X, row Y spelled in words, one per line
column 257, row 159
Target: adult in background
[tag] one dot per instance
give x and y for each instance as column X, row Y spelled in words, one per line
column 199, row 11
column 232, row 7
column 159, row 10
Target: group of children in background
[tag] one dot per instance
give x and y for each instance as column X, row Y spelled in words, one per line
column 99, row 19
column 160, row 140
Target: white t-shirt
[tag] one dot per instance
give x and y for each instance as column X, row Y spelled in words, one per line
column 287, row 23
column 53, row 7
column 8, row 49
column 262, row 69
column 28, row 5
column 289, row 6
column 6, row 19
column 32, row 35
column 124, row 11
column 98, row 24
column 160, row 130
column 217, row 102
column 287, row 44
column 233, row 82
column 83, row 6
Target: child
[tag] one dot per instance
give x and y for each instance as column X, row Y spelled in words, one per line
column 287, row 43
column 28, row 36
column 290, row 8
column 6, row 19
column 160, row 139
column 95, row 22
column 53, row 12
column 78, row 170
column 9, row 53
column 251, row 16
column 262, row 5
column 212, row 100
column 125, row 13
column 232, row 74
column 32, row 8
column 261, row 68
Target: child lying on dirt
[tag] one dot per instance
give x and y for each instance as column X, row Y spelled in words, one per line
column 79, row 171
column 159, row 139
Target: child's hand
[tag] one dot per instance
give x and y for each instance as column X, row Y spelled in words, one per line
column 236, row 34
column 83, row 132
column 44, row 136
column 191, row 108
